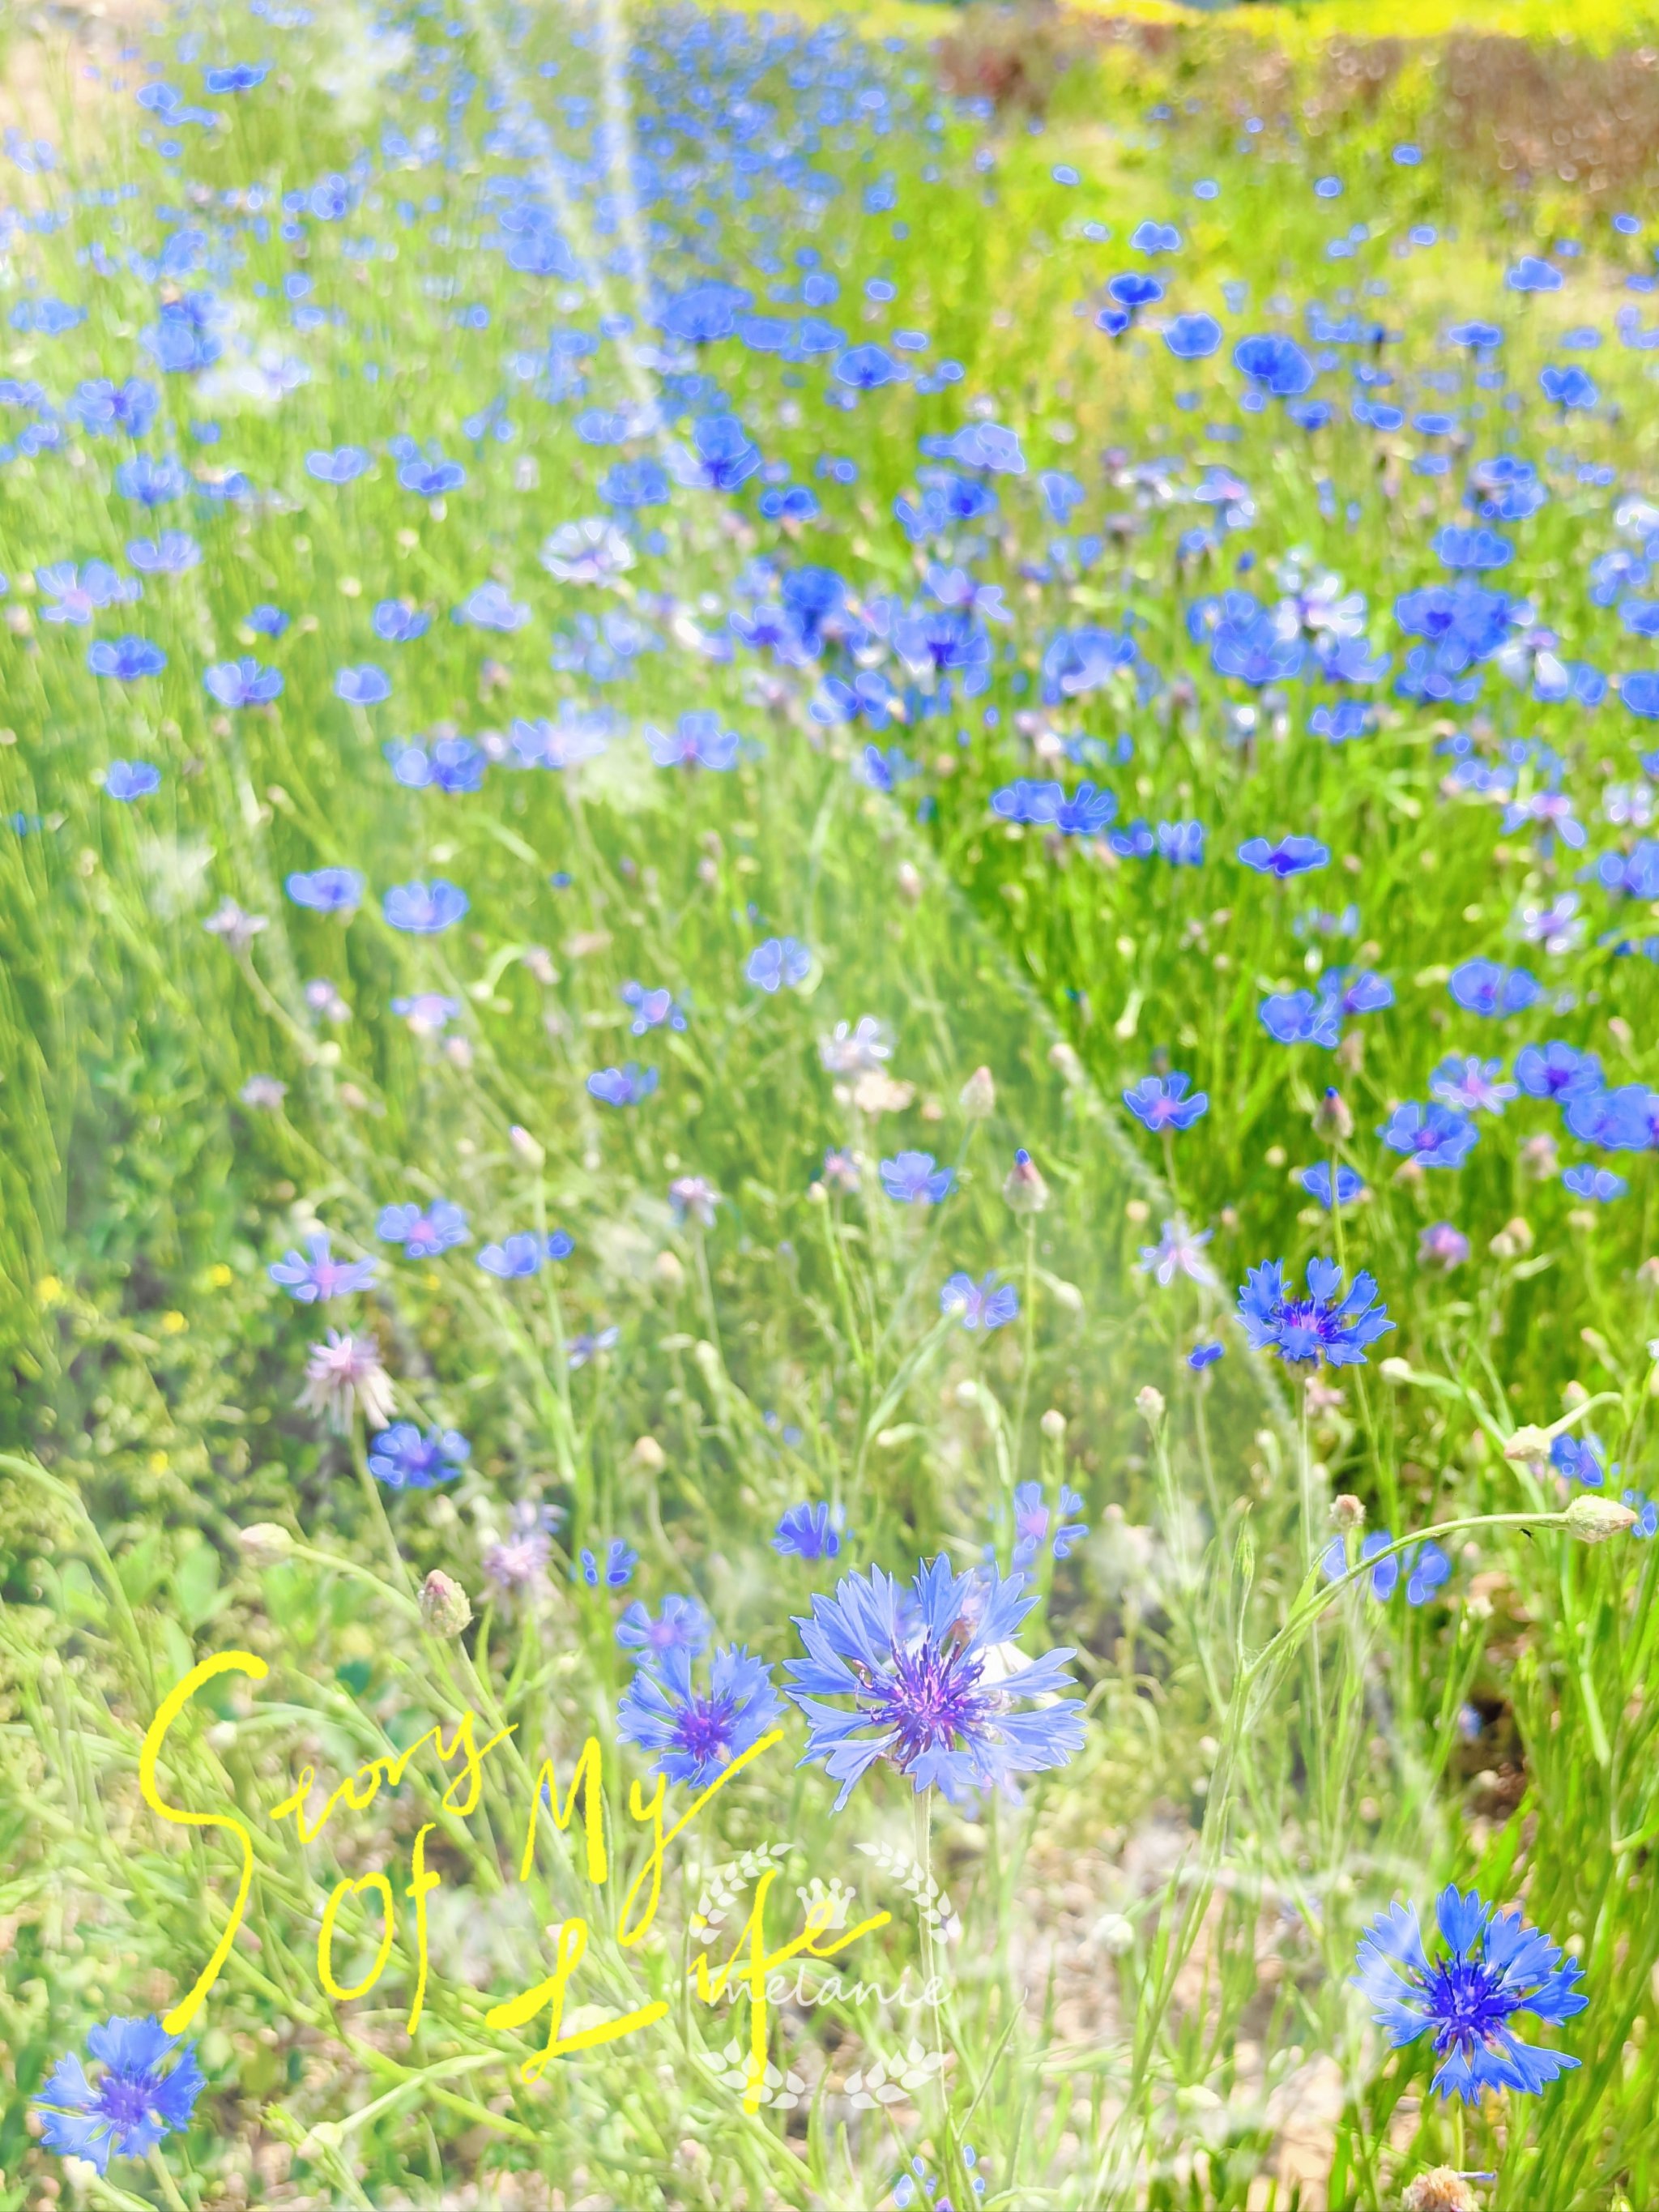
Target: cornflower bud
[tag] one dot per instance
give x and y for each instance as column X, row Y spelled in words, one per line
column 978, row 1096
column 1332, row 1120
column 1347, row 1512
column 1054, row 1425
column 265, row 1544
column 1024, row 1187
column 1594, row 1519
column 446, row 1608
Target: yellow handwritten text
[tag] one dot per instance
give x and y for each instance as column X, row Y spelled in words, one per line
column 710, row 1988
column 222, row 1663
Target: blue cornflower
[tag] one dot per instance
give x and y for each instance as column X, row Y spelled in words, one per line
column 1469, row 1085
column 1162, row 1103
column 129, row 780
column 986, row 1305
column 1598, row 1183
column 454, row 764
column 695, row 741
column 523, row 1254
column 1204, row 1355
column 132, row 2106
column 1178, row 1251
column 1324, row 1326
column 423, row 1233
column 1191, row 337
column 1427, row 1567
column 326, row 891
column 913, row 1180
column 622, row 1087
column 339, row 467
column 1434, row 1136
column 780, row 960
column 1496, row 1967
column 1317, row 1182
column 314, row 1275
column 1274, row 364
column 1384, row 1576
column 362, row 687
column 617, row 1571
column 423, row 909
column 244, row 683
column 653, row 1009
column 1180, row 843
column 1619, row 1121
column 1290, row 856
column 125, row 658
column 1483, row 988
column 1580, row 1459
column 403, row 1459
column 809, row 1532
column 588, row 1343
column 695, row 1733
column 1646, row 1512
column 1299, row 1018
column 910, row 1663
column 1033, row 1522
column 399, row 623
column 682, row 1625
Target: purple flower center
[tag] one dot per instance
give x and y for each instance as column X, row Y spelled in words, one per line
column 1466, row 2002
column 703, row 1729
column 931, row 1698
column 123, row 2102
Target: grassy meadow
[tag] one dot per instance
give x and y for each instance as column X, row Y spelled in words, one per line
column 740, row 758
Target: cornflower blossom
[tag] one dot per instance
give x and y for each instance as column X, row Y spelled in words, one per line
column 1646, row 1512
column 1162, row 1103
column 237, row 927
column 403, row 1459
column 588, row 1344
column 863, row 1050
column 984, row 1305
column 622, row 1087
column 914, row 1179
column 1033, row 1520
column 616, row 1570
column 1324, row 1327
column 693, row 1197
column 1481, row 987
column 1204, row 1355
column 343, row 1375
column 314, row 1275
column 423, row 1232
column 1558, row 928
column 134, row 2103
column 682, row 1625
column 1299, row 1018
column 1179, row 1251
column 653, row 1010
column 1441, row 1245
column 1317, row 1182
column 1580, row 1459
column 780, row 961
column 423, row 910
column 1434, row 1136
column 522, row 1253
column 519, row 1561
column 809, row 1532
column 694, row 1733
column 1494, row 1968
column 1469, row 1085
column 1290, row 856
column 1424, row 1566
column 1599, row 1184
column 920, row 1667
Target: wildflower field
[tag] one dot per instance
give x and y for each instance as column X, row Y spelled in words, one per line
column 829, row 902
